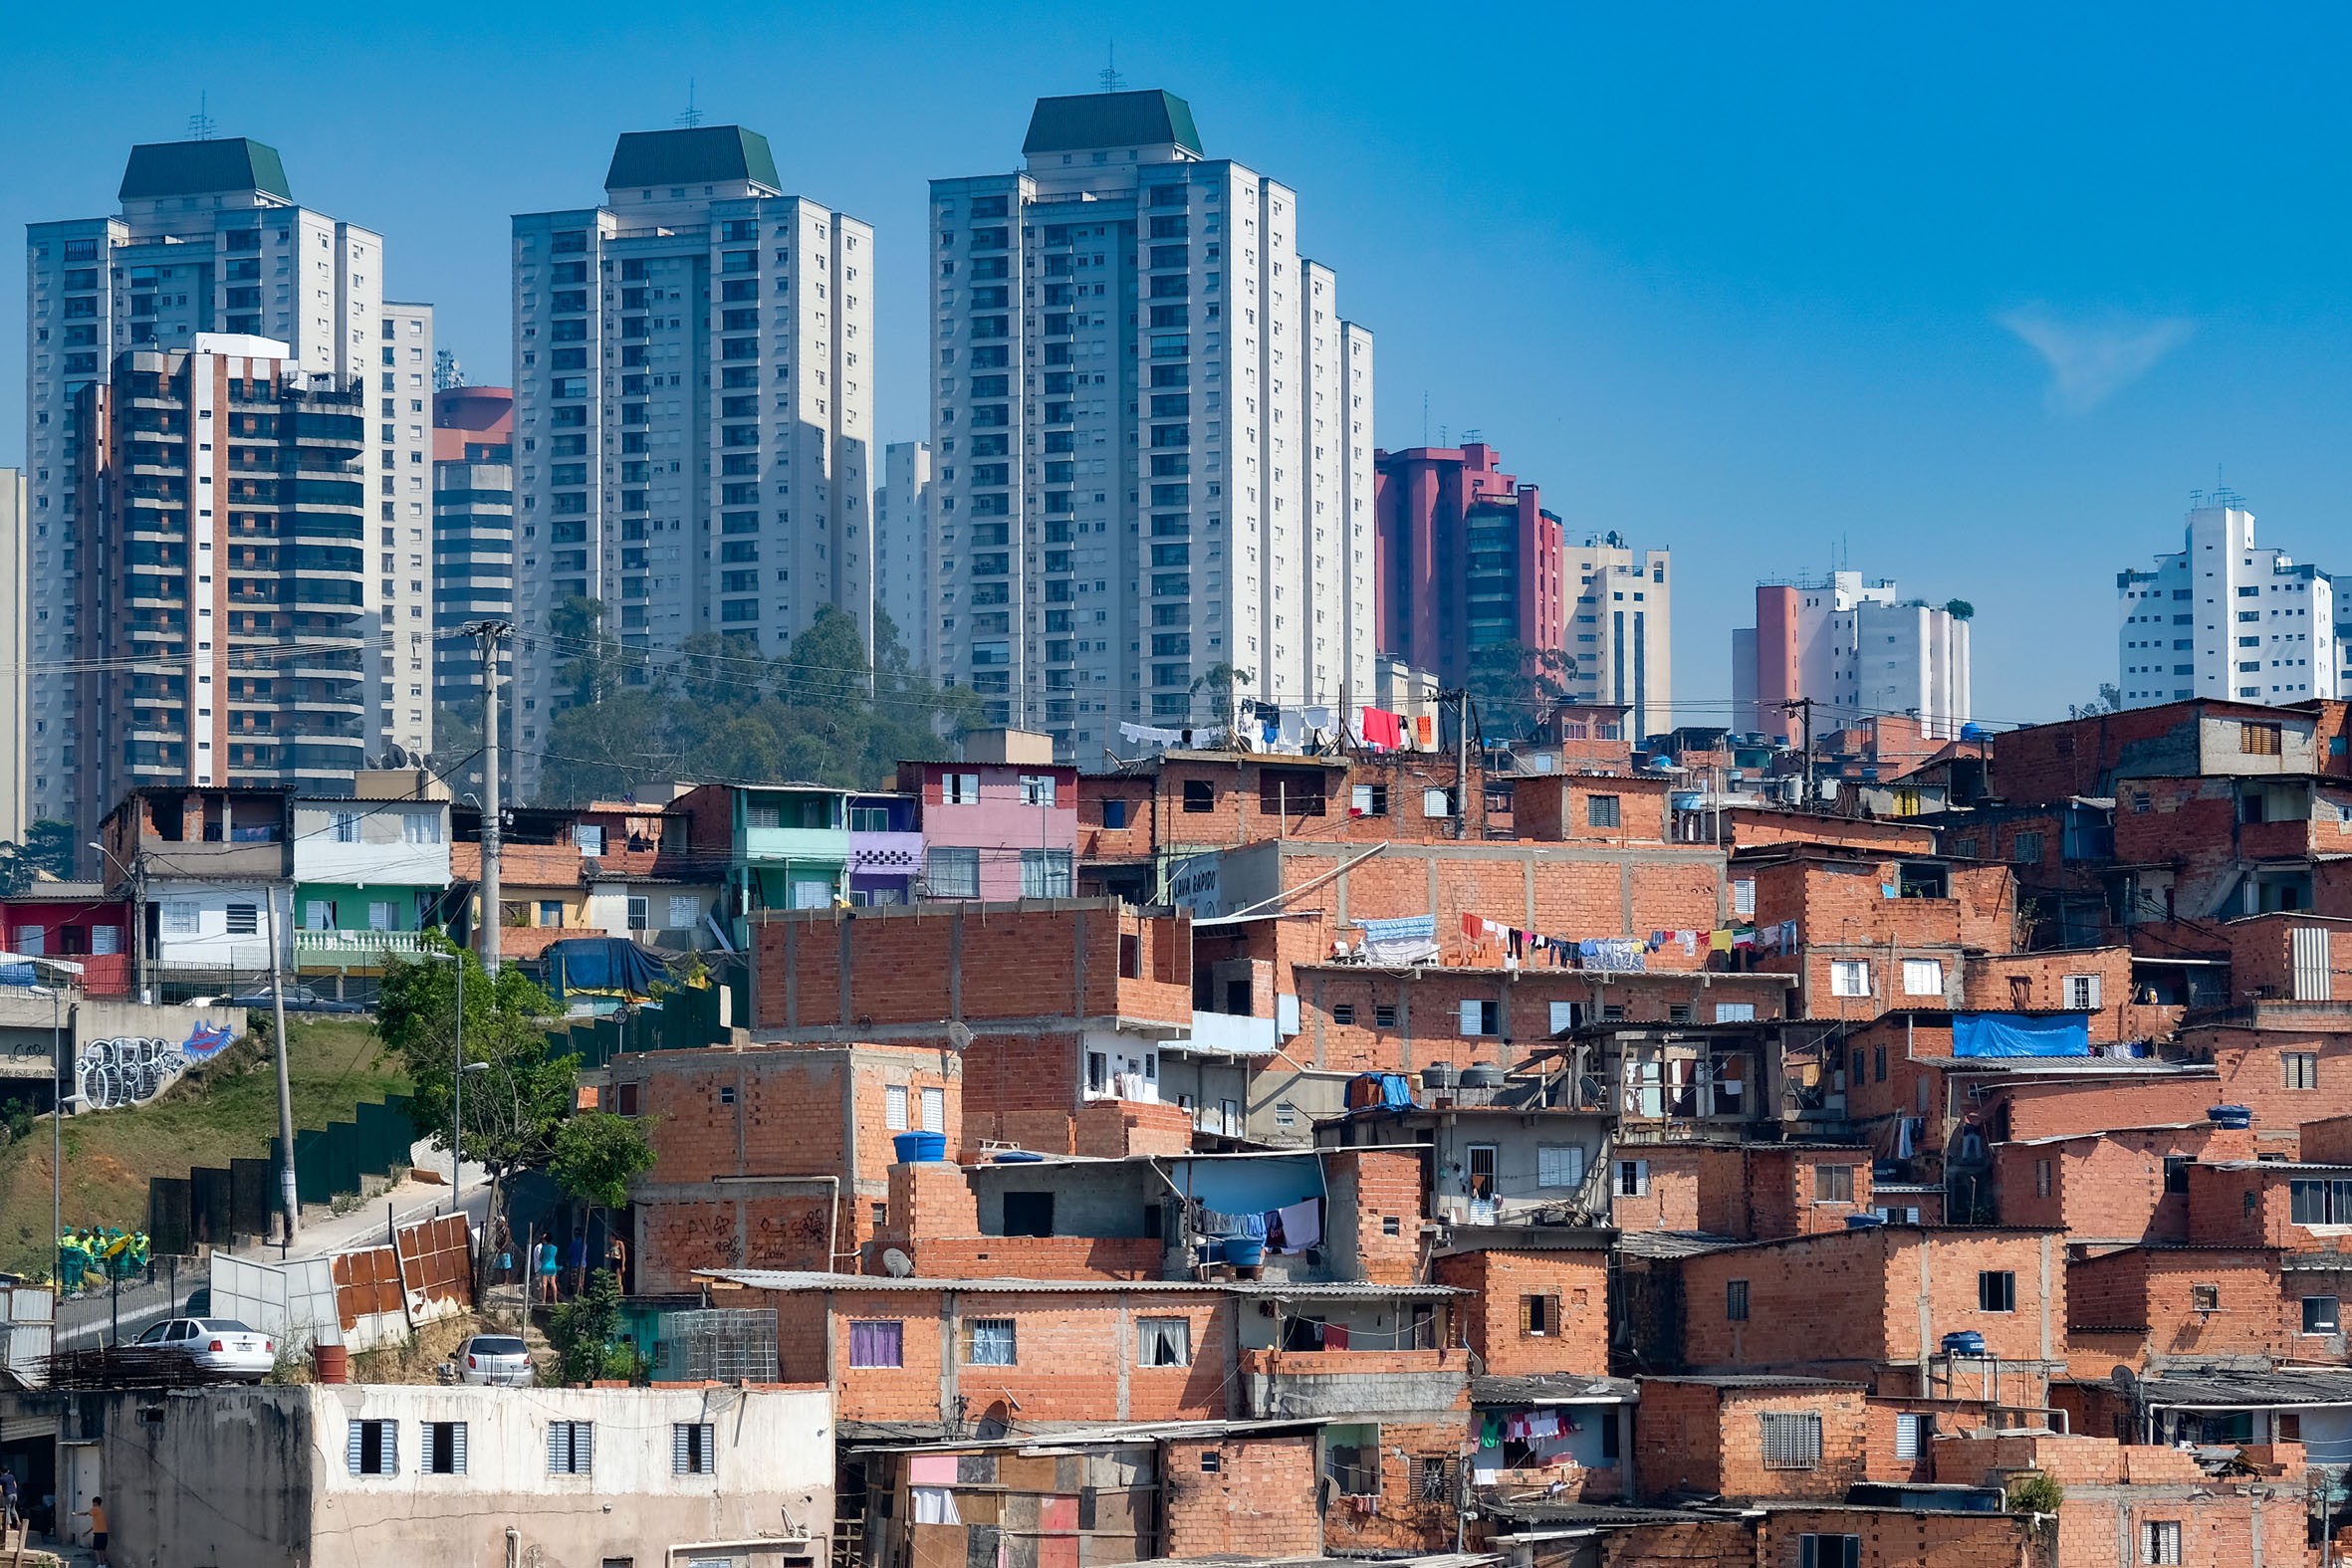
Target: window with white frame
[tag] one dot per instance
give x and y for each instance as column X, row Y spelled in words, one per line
column 1633, row 1178
column 244, row 920
column 959, row 788
column 346, row 827
column 1923, row 976
column 1559, row 1165
column 989, row 1342
column 1481, row 1017
column 1163, row 1342
column 951, row 874
column 182, row 917
column 589, row 836
column 640, row 912
column 895, row 1107
column 1849, row 978
column 2160, row 1541
column 2081, row 992
column 1037, row 789
column 1743, row 897
column 1046, row 873
column 935, row 1110
column 1913, row 1430
column 1735, row 1012
column 420, row 827
column 685, row 910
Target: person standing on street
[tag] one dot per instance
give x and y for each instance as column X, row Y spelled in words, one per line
column 95, row 1513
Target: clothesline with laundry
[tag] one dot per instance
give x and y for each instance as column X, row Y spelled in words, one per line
column 1293, row 1227
column 1623, row 954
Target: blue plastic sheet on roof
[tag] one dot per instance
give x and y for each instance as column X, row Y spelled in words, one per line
column 2015, row 1034
column 1396, row 1093
column 601, row 966
column 1249, row 1186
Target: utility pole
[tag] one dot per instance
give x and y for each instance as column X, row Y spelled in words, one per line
column 491, row 634
column 287, row 1191
column 1462, row 762
column 1805, row 706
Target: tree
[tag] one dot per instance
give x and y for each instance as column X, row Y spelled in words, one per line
column 50, row 846
column 1515, row 686
column 594, row 658
column 2110, row 701
column 1960, row 609
column 586, row 1332
column 518, row 1096
column 597, row 1156
column 1221, row 681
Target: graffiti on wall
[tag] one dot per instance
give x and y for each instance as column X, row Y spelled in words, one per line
column 131, row 1070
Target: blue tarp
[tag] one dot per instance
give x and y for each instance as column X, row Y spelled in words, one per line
column 2015, row 1034
column 1249, row 1186
column 603, row 966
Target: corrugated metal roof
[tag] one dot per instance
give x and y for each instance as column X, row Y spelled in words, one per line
column 1753, row 1380
column 1672, row 1243
column 1557, row 1388
column 2250, row 1390
column 1089, row 1437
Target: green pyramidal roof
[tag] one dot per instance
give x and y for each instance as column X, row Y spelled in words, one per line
column 697, row 154
column 197, row 168
column 1112, row 119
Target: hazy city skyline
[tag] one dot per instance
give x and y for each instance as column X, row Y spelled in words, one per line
column 1972, row 307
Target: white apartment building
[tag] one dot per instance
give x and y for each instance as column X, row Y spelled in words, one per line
column 902, row 547
column 209, row 239
column 1151, row 431
column 2223, row 618
column 403, row 423
column 1620, row 632
column 693, row 410
column 1856, row 649
column 15, row 604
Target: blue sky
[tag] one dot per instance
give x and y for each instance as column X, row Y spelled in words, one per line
column 1975, row 296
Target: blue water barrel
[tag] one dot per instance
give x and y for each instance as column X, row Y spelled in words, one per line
column 2233, row 1116
column 920, row 1148
column 1967, row 1342
column 1244, row 1251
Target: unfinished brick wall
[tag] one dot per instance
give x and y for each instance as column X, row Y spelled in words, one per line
column 1573, row 1332
column 1075, row 1353
column 772, row 1123
column 1893, row 1538
column 2109, row 1187
column 1408, row 1519
column 1342, row 1008
column 1374, row 1214
column 1250, row 1504
column 1875, row 1277
column 1560, row 809
column 2191, row 1304
column 1700, row 1436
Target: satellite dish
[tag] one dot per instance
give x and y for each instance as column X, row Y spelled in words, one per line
column 2122, row 1378
column 896, row 1264
column 959, row 1037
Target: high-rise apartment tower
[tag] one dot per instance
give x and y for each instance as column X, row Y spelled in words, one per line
column 693, row 410
column 1151, row 435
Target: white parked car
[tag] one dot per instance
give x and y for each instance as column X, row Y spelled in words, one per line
column 217, row 1344
column 496, row 1359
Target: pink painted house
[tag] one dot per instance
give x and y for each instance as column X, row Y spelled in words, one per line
column 1001, row 824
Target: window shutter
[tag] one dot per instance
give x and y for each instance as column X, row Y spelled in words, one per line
column 457, row 1448
column 895, row 1107
column 391, row 1448
column 681, row 1449
column 935, row 1110
column 1470, row 1018
column 554, row 1447
column 352, row 1454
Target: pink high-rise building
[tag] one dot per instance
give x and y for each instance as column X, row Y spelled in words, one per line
column 1467, row 558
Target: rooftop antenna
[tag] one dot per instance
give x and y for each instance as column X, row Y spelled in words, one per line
column 693, row 116
column 1109, row 75
column 200, row 127
column 1425, row 416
